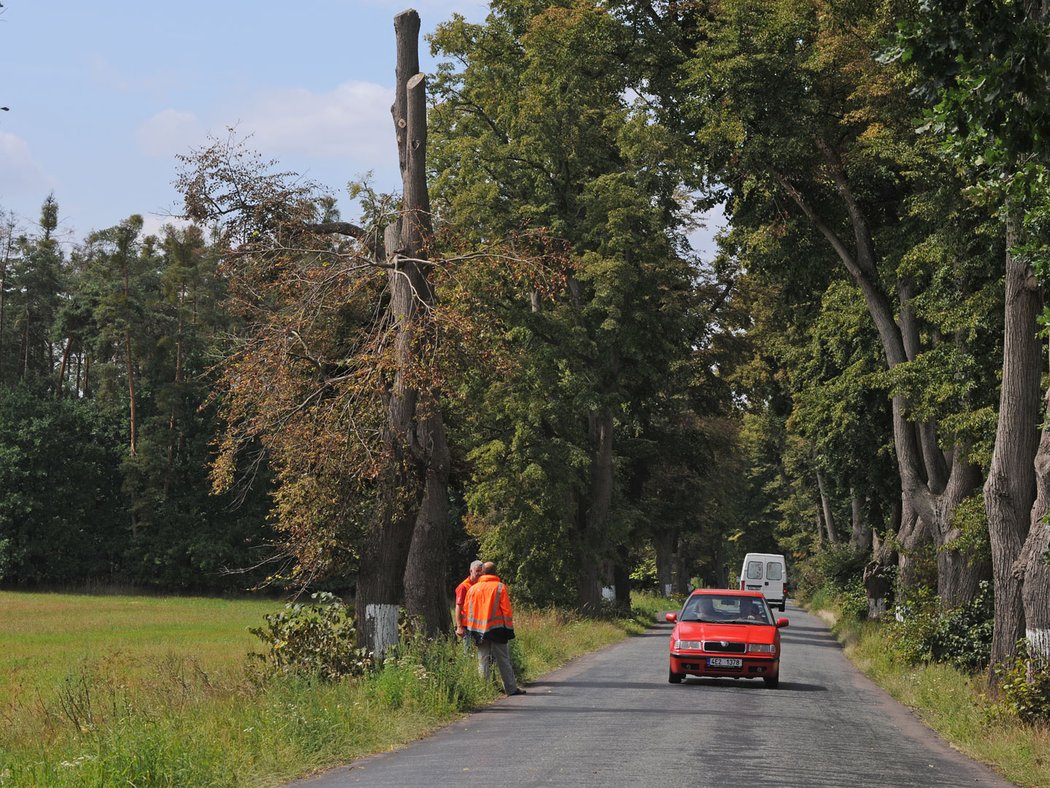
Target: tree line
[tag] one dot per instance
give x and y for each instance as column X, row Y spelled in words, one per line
column 521, row 355
column 105, row 421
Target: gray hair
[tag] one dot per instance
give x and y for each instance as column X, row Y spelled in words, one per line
column 476, row 564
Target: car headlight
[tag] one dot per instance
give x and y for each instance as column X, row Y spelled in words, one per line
column 688, row 645
column 762, row 648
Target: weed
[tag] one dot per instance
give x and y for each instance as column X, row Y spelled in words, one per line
column 1024, row 686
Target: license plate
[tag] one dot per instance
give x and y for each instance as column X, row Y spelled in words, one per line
column 724, row 662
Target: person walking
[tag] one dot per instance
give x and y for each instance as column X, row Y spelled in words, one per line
column 461, row 603
column 490, row 620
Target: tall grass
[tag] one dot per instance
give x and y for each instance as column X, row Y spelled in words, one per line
column 173, row 704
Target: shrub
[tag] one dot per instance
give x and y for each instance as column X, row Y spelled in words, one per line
column 318, row 638
column 832, row 569
column 961, row 636
column 1025, row 686
column 853, row 600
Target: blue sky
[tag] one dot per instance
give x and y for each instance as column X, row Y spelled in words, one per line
column 104, row 95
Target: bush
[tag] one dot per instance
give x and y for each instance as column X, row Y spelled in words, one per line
column 853, row 601
column 961, row 636
column 318, row 639
column 1025, row 686
column 833, row 570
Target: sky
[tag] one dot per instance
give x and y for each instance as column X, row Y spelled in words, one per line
column 103, row 96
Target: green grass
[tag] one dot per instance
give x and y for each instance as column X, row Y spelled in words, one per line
column 953, row 703
column 44, row 637
column 154, row 691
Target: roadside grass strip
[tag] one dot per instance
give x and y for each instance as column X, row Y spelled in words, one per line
column 953, row 703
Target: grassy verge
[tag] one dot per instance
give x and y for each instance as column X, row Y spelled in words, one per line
column 154, row 691
column 953, row 703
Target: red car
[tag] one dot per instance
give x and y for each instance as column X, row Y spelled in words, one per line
column 727, row 633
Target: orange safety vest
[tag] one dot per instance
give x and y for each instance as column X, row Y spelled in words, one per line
column 488, row 611
column 461, row 599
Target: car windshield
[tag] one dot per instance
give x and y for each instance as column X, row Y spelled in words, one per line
column 727, row 609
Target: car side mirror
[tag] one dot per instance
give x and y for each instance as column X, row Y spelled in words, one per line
column 781, row 623
column 672, row 617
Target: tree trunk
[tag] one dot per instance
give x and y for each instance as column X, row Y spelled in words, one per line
column 860, row 538
column 63, row 367
column 132, row 402
column 595, row 518
column 663, row 542
column 1009, row 490
column 825, row 507
column 622, row 577
column 958, row 575
column 931, row 485
column 1032, row 569
column 682, row 564
column 174, row 436
column 916, row 543
column 408, row 547
column 426, row 571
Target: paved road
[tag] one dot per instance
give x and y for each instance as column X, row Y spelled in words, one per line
column 612, row 719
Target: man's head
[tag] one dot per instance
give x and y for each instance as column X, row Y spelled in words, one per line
column 488, row 568
column 475, row 569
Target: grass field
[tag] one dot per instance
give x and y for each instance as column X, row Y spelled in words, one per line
column 44, row 638
column 128, row 690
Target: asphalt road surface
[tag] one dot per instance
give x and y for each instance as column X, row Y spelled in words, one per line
column 612, row 719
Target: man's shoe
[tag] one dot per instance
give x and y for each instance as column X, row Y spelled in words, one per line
column 518, row 691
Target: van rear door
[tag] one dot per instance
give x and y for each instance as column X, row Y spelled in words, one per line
column 765, row 572
column 754, row 574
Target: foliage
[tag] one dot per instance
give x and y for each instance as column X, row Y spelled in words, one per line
column 853, row 600
column 960, row 637
column 971, row 520
column 594, row 378
column 644, row 575
column 108, row 353
column 59, row 451
column 983, row 66
column 834, row 567
column 316, row 638
column 1024, row 686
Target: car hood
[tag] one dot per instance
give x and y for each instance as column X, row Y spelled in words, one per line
column 737, row 633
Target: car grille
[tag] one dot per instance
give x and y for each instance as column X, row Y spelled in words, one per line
column 724, row 647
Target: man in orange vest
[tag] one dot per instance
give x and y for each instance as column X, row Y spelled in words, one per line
column 461, row 602
column 490, row 620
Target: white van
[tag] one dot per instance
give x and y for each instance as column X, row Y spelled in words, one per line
column 765, row 572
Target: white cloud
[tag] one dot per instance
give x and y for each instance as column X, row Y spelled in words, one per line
column 351, row 122
column 20, row 175
column 170, row 132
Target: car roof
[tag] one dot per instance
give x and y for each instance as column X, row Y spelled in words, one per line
column 724, row 592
